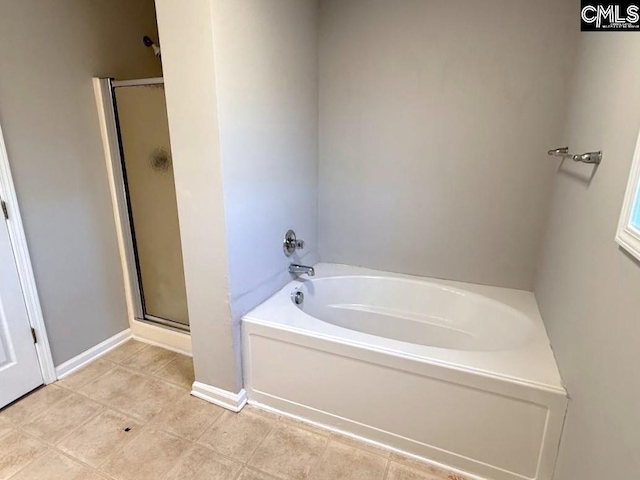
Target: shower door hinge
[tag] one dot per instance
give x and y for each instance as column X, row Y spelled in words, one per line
column 33, row 334
column 4, row 210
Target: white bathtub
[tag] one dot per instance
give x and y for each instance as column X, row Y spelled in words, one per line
column 458, row 374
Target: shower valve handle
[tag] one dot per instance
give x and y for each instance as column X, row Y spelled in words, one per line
column 291, row 243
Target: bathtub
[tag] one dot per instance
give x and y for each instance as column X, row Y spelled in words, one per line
column 459, row 375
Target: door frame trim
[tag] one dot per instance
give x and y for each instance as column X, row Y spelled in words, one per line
column 108, row 129
column 142, row 330
column 25, row 268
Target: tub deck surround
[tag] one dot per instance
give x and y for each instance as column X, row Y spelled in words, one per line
column 458, row 374
column 530, row 361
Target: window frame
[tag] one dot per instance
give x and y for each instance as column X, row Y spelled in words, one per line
column 628, row 235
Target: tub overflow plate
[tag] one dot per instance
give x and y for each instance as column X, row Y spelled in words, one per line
column 297, row 297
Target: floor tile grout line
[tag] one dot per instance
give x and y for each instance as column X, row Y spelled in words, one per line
column 111, row 407
column 240, row 470
column 118, row 449
column 115, row 408
column 106, row 410
column 417, row 464
column 140, row 373
column 71, row 432
column 318, row 461
column 387, row 454
column 77, row 460
column 186, row 388
column 155, row 372
column 269, row 476
column 33, row 460
column 244, row 463
column 97, row 467
column 152, row 375
column 192, row 443
column 144, row 345
column 174, row 356
column 362, row 446
column 255, row 450
column 49, row 407
column 61, row 382
column 51, row 448
column 121, row 448
column 117, row 362
column 169, row 381
column 223, row 455
column 162, row 429
column 215, row 420
column 327, row 440
column 180, row 457
column 172, row 360
column 387, row 468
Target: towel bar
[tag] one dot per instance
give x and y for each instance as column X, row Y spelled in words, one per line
column 589, row 157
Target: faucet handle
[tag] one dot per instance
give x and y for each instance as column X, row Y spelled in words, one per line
column 291, row 243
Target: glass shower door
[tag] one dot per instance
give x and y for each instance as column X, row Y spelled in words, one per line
column 149, row 183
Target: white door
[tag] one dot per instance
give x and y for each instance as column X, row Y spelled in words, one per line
column 19, row 368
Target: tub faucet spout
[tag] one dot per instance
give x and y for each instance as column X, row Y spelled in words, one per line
column 301, row 269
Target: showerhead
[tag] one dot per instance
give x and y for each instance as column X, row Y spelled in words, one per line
column 150, row 43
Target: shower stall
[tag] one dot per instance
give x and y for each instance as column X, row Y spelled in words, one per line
column 136, row 133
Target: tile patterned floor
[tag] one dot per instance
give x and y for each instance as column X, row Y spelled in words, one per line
column 129, row 416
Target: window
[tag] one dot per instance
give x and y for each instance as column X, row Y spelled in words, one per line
column 628, row 236
column 635, row 215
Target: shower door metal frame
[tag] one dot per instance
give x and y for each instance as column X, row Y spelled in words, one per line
column 122, row 207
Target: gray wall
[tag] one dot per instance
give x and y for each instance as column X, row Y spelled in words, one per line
column 48, row 53
column 267, row 87
column 588, row 288
column 435, row 119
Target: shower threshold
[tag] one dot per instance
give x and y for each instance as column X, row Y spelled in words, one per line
column 165, row 323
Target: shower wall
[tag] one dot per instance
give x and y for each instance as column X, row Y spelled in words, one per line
column 435, row 119
column 267, row 89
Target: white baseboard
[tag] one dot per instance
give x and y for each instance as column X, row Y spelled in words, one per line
column 161, row 337
column 223, row 398
column 79, row 361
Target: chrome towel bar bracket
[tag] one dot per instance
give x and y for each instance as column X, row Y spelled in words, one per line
column 589, row 157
